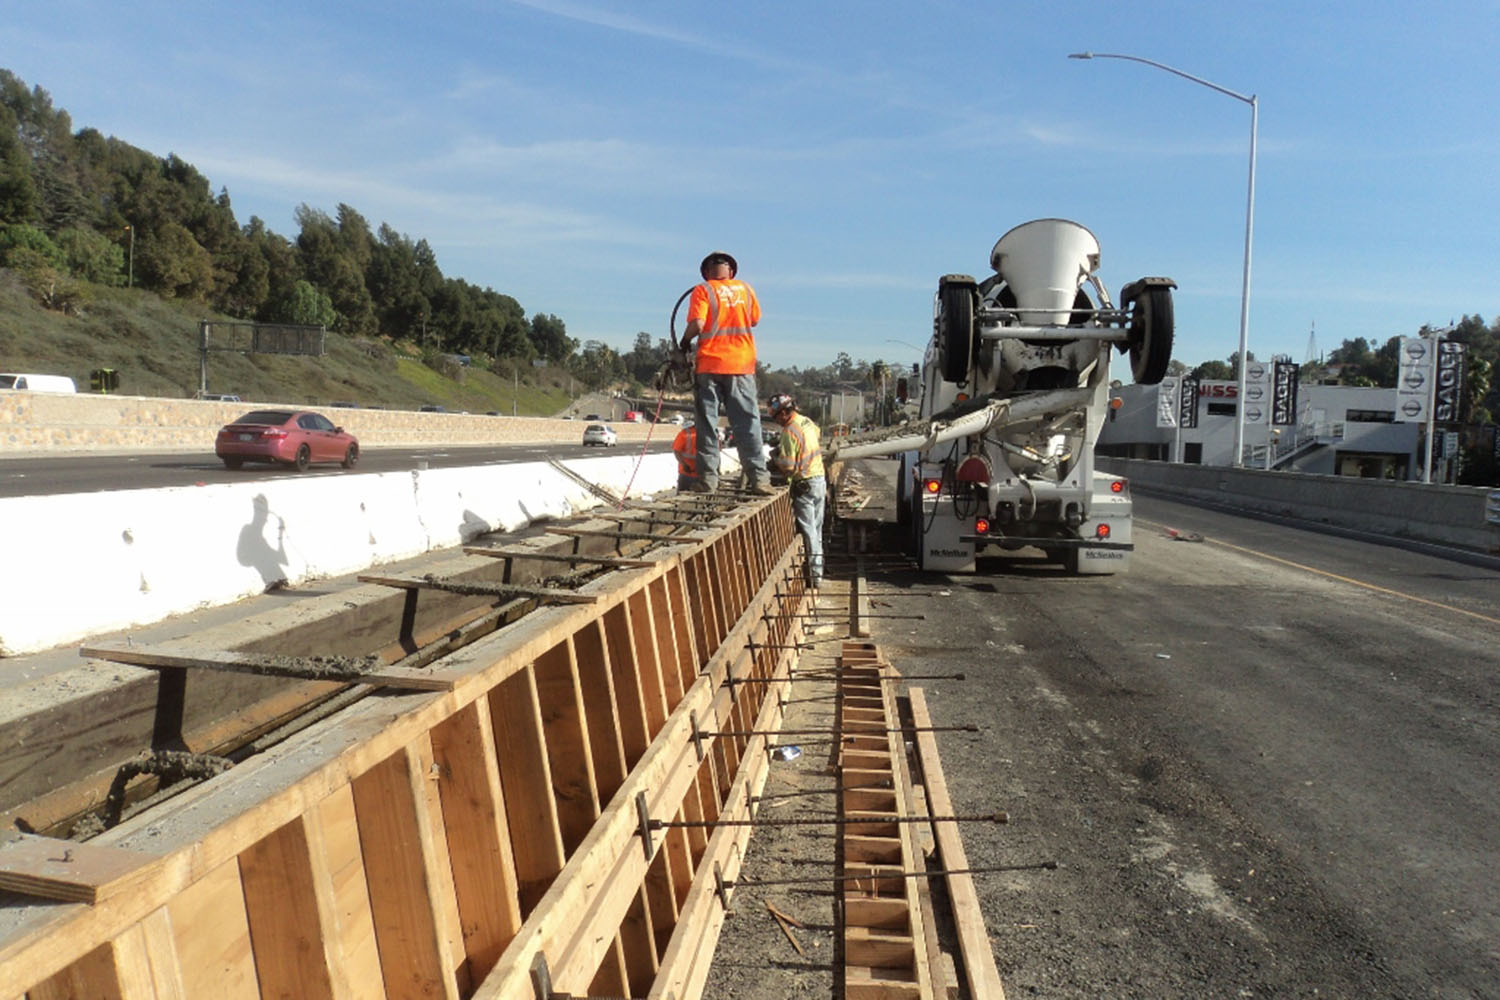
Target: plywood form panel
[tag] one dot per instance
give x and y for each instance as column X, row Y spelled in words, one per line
column 626, row 667
column 293, row 958
column 648, row 661
column 656, row 622
column 413, row 944
column 531, row 811
column 426, row 775
column 212, row 936
column 565, row 729
column 596, row 684
column 638, row 945
column 479, row 849
column 333, row 844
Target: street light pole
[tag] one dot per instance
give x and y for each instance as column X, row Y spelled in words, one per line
column 1250, row 99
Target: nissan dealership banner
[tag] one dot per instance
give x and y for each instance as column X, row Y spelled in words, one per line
column 1413, row 380
column 1187, row 408
column 1257, row 401
column 1448, row 401
column 1166, row 402
column 1284, row 394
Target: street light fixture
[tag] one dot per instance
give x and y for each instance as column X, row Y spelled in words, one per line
column 1239, row 420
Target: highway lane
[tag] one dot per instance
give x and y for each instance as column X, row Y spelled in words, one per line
column 98, row 472
column 1268, row 760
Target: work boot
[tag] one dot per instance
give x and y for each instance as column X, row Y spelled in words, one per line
column 699, row 486
column 762, row 489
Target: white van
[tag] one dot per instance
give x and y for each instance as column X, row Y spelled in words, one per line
column 37, row 383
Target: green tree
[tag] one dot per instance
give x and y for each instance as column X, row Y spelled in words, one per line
column 1214, row 371
column 550, row 335
column 305, row 305
column 92, row 256
column 171, row 262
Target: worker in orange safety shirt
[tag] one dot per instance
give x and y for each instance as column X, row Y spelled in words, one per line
column 685, row 447
column 721, row 315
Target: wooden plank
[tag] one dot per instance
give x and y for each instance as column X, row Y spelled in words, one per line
column 628, row 666
column 521, row 749
column 338, row 669
column 973, row 938
column 426, row 776
column 479, row 589
column 94, row 976
column 412, row 943
column 658, row 628
column 68, row 870
column 640, row 536
column 474, row 817
column 638, row 945
column 150, row 942
column 688, row 660
column 565, row 727
column 648, row 662
column 212, row 937
column 597, row 685
column 281, row 903
column 333, row 844
column 621, row 562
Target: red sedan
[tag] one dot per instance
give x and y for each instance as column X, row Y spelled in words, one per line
column 295, row 437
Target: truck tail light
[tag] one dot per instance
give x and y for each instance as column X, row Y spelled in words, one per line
column 1102, row 531
column 982, row 526
column 1117, row 486
column 974, row 469
column 932, row 486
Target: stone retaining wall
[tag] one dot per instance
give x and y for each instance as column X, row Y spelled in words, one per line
column 38, row 423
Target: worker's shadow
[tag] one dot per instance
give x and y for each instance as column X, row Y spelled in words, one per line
column 255, row 551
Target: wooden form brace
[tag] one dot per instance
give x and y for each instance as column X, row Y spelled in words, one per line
column 433, row 844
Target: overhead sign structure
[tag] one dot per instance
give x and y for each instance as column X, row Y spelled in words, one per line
column 1413, row 380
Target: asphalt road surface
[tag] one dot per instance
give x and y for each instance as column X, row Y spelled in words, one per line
column 93, row 473
column 1267, row 761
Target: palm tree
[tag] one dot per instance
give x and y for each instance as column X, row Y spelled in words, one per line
column 879, row 372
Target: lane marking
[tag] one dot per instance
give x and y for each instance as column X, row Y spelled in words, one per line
column 1342, row 579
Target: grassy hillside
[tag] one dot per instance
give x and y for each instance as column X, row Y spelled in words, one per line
column 153, row 343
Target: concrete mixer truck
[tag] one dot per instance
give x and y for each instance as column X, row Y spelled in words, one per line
column 1015, row 387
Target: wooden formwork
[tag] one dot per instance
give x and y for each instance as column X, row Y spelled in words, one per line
column 890, row 945
column 459, row 843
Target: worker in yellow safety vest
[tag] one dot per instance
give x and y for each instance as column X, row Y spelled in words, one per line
column 799, row 458
column 685, row 447
column 722, row 313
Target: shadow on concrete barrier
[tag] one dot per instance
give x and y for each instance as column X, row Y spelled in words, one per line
column 96, row 562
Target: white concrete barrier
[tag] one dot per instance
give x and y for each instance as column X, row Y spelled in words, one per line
column 1443, row 515
column 84, row 563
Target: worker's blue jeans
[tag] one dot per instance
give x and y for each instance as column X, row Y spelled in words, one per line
column 808, row 500
column 735, row 395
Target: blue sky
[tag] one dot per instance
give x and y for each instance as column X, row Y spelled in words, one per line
column 582, row 156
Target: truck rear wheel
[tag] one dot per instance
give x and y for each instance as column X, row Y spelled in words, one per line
column 1151, row 329
column 956, row 326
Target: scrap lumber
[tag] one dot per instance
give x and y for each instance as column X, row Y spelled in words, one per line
column 359, row 671
column 973, row 940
